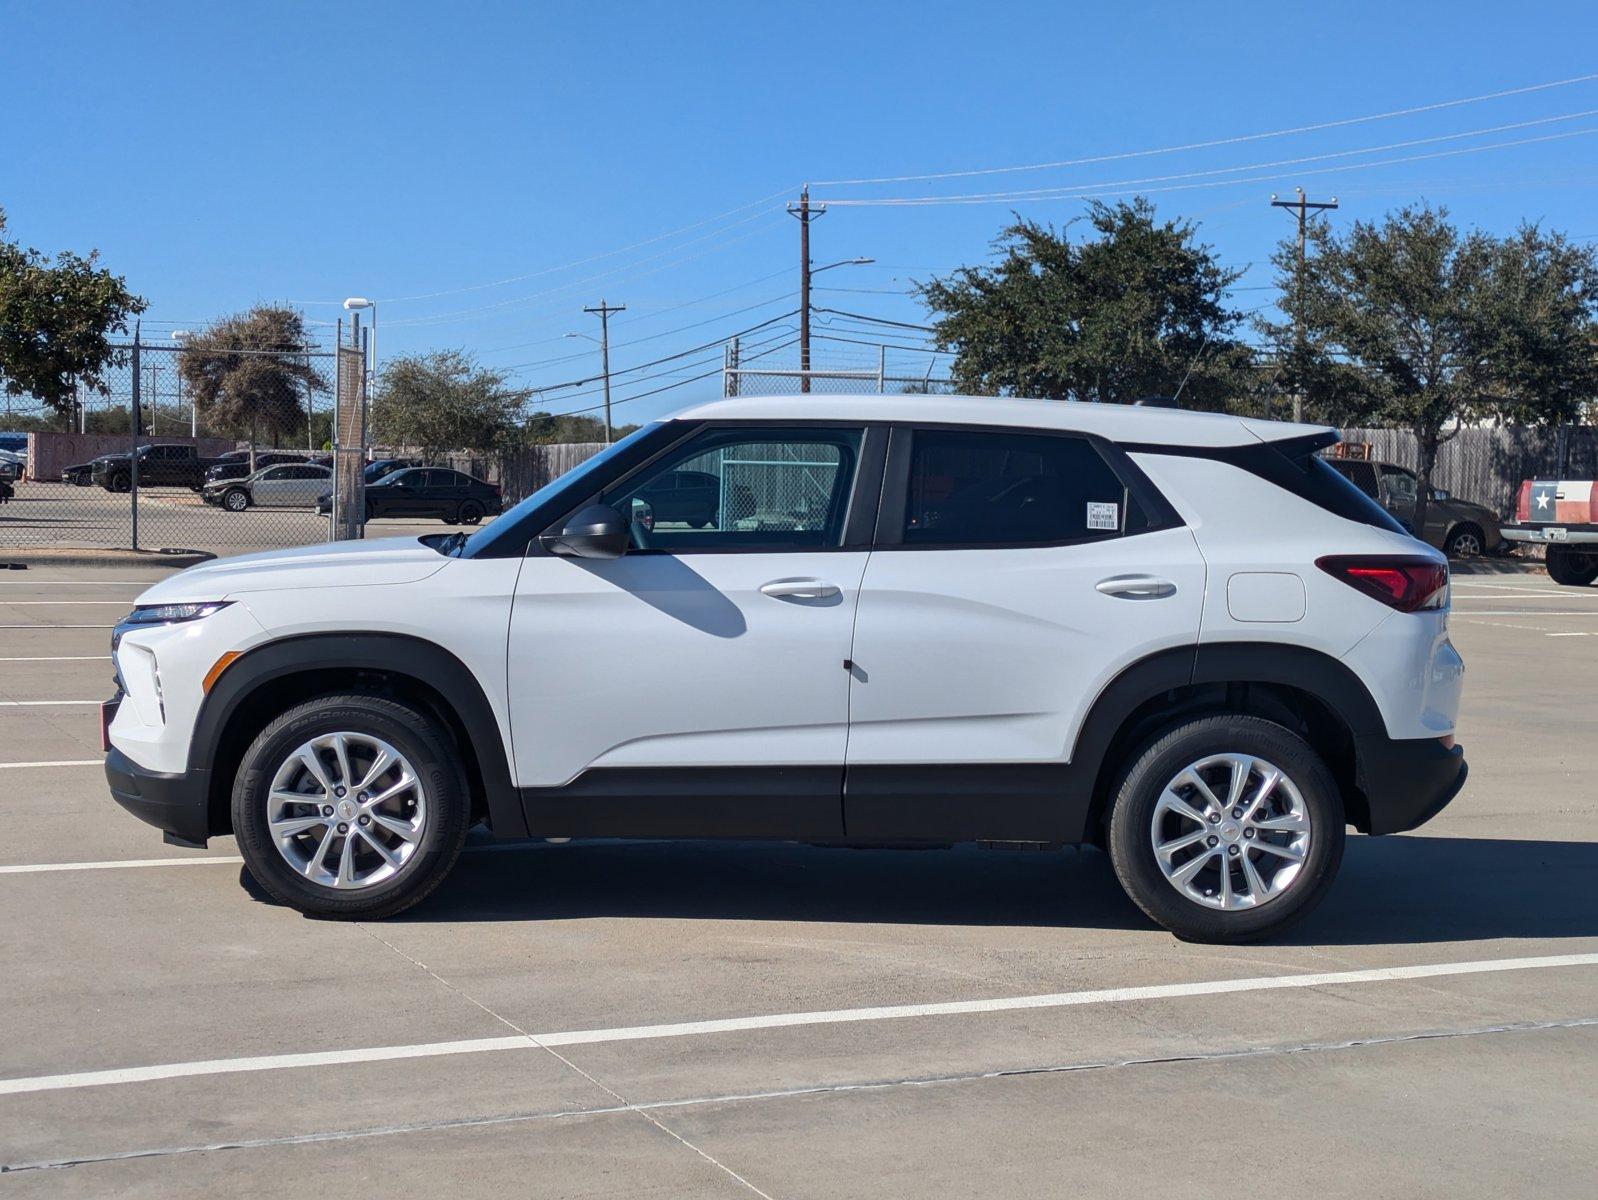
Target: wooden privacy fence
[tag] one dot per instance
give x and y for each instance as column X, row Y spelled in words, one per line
column 523, row 472
column 1486, row 464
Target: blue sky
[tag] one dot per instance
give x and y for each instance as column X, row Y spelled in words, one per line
column 224, row 154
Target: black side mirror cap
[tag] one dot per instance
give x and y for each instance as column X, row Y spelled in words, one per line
column 598, row 531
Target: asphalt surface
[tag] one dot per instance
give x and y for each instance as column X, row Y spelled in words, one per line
column 962, row 1023
column 64, row 516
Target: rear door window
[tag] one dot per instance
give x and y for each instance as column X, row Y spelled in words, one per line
column 995, row 488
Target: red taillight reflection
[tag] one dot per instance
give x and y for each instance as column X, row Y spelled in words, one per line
column 1409, row 584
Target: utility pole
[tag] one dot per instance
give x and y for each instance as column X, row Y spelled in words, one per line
column 603, row 311
column 155, row 395
column 1302, row 206
column 805, row 214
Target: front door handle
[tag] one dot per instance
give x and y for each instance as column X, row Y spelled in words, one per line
column 800, row 589
column 1137, row 587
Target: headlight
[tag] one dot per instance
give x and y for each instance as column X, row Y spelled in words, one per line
column 164, row 614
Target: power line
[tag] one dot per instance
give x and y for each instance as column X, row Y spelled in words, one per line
column 1053, row 192
column 876, row 320
column 555, row 387
column 1074, row 194
column 1229, row 141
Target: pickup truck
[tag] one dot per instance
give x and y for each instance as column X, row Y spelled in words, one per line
column 170, row 465
column 1561, row 514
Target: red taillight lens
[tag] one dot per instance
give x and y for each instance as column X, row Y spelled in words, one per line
column 1406, row 583
column 1523, row 502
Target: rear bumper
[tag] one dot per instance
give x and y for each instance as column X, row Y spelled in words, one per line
column 174, row 804
column 1550, row 532
column 1408, row 781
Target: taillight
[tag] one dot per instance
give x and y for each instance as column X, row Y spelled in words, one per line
column 1523, row 502
column 1409, row 584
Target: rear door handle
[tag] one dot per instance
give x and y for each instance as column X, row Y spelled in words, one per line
column 1136, row 587
column 800, row 589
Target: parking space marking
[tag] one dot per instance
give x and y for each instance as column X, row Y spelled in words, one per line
column 62, row 658
column 115, row 863
column 43, row 703
column 59, row 762
column 587, row 1037
column 25, row 603
column 38, row 626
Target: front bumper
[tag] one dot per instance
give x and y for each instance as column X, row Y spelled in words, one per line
column 1550, row 533
column 1407, row 781
column 174, row 804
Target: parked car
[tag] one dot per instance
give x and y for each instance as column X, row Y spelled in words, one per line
column 82, row 474
column 380, row 467
column 1561, row 514
column 172, row 465
column 235, row 464
column 12, row 466
column 1028, row 669
column 1459, row 528
column 287, row 485
column 683, row 497
column 453, row 497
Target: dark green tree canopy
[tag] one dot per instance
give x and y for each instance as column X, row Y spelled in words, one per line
column 56, row 319
column 1132, row 311
column 445, row 401
column 249, row 373
column 1415, row 323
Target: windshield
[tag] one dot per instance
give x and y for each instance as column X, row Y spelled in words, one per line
column 485, row 535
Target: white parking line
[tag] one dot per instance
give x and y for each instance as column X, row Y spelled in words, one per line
column 59, row 762
column 25, row 603
column 114, row 864
column 62, row 658
column 896, row 1012
column 39, row 626
column 43, row 703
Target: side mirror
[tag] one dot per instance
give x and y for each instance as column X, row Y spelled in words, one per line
column 598, row 531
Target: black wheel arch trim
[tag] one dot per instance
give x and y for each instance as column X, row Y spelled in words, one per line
column 428, row 663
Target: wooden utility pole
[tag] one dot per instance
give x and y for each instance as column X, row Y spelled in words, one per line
column 1301, row 207
column 805, row 214
column 603, row 311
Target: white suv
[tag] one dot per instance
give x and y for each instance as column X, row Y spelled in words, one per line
column 869, row 620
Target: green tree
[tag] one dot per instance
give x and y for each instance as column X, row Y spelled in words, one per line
column 549, row 428
column 56, row 319
column 445, row 401
column 1415, row 323
column 1135, row 310
column 249, row 373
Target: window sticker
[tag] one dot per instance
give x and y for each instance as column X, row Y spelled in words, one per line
column 1102, row 515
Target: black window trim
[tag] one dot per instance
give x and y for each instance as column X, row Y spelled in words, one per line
column 1140, row 491
column 859, row 514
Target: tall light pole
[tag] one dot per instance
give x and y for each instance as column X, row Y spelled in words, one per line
column 180, row 336
column 807, row 272
column 353, row 304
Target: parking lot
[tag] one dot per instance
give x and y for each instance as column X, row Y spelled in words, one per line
column 44, row 513
column 678, row 1019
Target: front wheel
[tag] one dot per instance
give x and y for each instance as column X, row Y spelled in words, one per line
column 121, row 483
column 1466, row 541
column 351, row 807
column 471, row 512
column 1226, row 829
column 1570, row 568
column 236, row 500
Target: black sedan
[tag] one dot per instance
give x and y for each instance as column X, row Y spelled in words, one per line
column 82, row 474
column 449, row 496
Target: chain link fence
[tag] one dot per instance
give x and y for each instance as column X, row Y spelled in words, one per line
column 139, row 464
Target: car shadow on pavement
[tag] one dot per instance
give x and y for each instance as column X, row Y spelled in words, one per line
column 1391, row 890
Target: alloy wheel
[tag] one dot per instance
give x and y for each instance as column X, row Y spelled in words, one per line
column 1231, row 831
column 346, row 810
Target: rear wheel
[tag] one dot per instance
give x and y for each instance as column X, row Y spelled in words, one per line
column 1226, row 829
column 1464, row 541
column 1570, row 567
column 351, row 806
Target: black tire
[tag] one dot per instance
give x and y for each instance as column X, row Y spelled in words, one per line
column 236, row 500
column 121, row 483
column 1465, row 541
column 1570, row 568
column 367, row 513
column 436, row 762
column 471, row 512
column 1159, row 761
